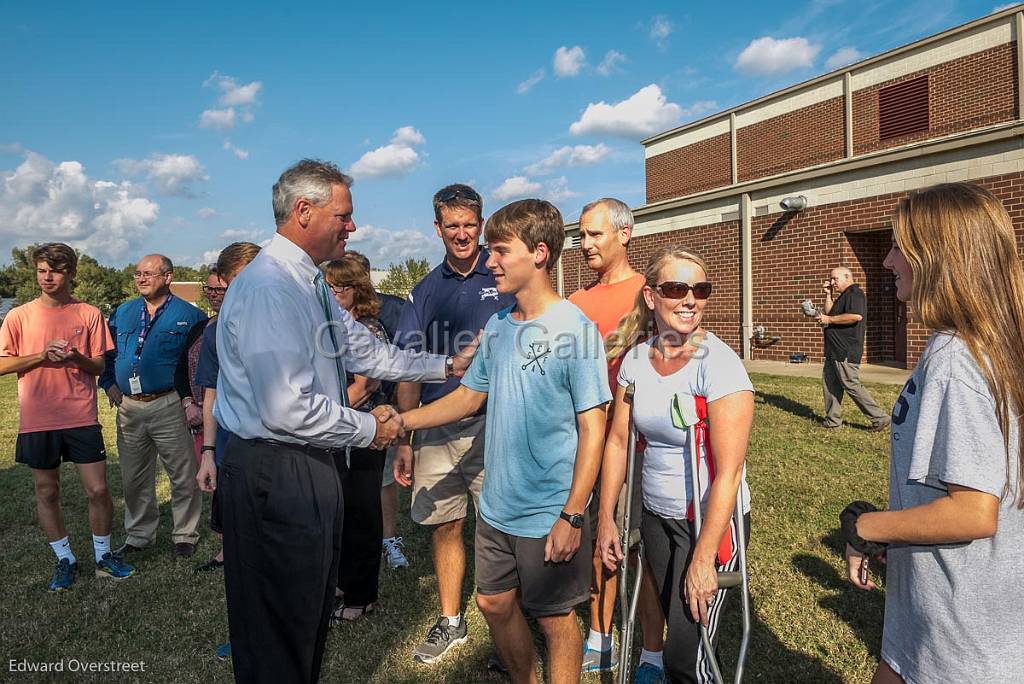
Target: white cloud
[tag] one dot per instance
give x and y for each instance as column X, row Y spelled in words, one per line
column 209, row 258
column 569, row 61
column 535, row 78
column 579, row 155
column 1000, row 8
column 237, row 151
column 397, row 158
column 206, row 212
column 173, row 174
column 41, row 200
column 383, row 246
column 241, row 234
column 661, row 29
column 610, row 64
column 516, row 187
column 408, row 136
column 842, row 57
column 698, row 108
column 557, row 190
column 12, row 148
column 233, row 93
column 644, row 113
column 766, row 55
column 220, row 119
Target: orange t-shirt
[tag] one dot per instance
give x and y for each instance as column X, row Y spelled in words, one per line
column 606, row 305
column 55, row 396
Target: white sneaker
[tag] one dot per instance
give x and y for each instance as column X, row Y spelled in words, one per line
column 392, row 551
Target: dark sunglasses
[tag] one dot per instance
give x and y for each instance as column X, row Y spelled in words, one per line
column 460, row 193
column 674, row 290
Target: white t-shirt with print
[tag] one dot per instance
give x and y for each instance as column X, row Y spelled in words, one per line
column 714, row 371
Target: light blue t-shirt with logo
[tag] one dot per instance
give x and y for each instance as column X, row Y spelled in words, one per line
column 538, row 375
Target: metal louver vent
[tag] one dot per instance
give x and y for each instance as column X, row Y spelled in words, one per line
column 903, row 108
column 576, row 240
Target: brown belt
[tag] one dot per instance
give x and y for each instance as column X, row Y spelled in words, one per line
column 150, row 397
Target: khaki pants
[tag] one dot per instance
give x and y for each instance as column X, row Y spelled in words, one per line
column 146, row 430
column 841, row 377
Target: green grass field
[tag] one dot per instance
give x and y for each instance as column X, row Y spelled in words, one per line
column 809, row 626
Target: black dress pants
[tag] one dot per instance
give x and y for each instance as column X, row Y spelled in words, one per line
column 363, row 531
column 282, row 518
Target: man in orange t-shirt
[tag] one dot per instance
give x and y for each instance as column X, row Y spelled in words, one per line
column 606, row 226
column 55, row 344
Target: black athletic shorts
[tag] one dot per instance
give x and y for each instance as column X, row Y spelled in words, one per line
column 46, row 449
column 505, row 561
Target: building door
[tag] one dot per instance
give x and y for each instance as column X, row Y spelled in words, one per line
column 899, row 343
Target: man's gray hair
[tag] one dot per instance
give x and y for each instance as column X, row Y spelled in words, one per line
column 619, row 212
column 310, row 179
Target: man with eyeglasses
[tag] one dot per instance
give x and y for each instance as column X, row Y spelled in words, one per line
column 843, row 320
column 154, row 402
column 445, row 465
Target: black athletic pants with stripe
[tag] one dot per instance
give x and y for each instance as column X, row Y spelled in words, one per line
column 668, row 549
column 282, row 517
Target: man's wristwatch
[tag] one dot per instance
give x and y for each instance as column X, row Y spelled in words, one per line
column 574, row 519
column 188, row 401
column 449, row 366
column 207, row 447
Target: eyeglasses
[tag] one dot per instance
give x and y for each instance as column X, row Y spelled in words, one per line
column 146, row 275
column 675, row 290
column 338, row 289
column 462, row 193
column 214, row 290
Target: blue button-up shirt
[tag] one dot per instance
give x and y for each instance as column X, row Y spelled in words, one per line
column 161, row 351
column 445, row 311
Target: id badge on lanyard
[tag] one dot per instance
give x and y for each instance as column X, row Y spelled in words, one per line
column 134, row 381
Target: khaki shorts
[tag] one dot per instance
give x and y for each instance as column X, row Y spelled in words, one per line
column 389, row 468
column 448, row 465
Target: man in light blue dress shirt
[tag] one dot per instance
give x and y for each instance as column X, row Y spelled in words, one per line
column 283, row 345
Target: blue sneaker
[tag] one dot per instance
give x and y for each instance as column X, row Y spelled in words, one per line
column 114, row 567
column 63, row 575
column 224, row 651
column 648, row 673
column 599, row 661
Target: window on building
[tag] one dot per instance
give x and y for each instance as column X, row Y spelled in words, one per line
column 903, row 108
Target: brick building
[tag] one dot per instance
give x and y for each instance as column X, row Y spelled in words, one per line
column 852, row 143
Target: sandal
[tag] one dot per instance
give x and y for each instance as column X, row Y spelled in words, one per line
column 343, row 613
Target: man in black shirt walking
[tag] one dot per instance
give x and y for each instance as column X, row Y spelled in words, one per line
column 843, row 321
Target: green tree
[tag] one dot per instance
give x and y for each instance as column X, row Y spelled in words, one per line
column 402, row 277
column 102, row 286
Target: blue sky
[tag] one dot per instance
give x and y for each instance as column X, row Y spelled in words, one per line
column 126, row 130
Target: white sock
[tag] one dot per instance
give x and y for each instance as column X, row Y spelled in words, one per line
column 599, row 642
column 100, row 546
column 652, row 657
column 453, row 620
column 62, row 547
column 389, row 541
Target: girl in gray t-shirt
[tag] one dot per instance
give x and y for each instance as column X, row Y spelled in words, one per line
column 952, row 537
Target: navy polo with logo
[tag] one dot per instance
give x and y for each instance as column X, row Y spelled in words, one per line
column 444, row 312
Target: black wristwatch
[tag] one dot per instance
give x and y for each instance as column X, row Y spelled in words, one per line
column 574, row 519
column 207, row 447
column 449, row 366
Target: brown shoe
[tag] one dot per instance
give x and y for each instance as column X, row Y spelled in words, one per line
column 184, row 550
column 878, row 427
column 127, row 549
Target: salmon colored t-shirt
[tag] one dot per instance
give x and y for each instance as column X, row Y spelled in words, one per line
column 55, row 396
column 606, row 305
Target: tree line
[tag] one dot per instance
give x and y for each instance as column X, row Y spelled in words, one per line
column 102, row 286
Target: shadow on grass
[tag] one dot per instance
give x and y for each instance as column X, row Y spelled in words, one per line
column 786, row 404
column 863, row 611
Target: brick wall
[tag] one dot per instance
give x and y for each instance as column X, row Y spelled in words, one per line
column 966, row 93
column 792, row 255
column 701, row 166
column 795, row 140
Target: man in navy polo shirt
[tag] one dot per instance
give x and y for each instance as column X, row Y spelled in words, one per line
column 446, row 464
column 149, row 334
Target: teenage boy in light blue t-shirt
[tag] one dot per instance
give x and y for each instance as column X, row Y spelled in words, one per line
column 541, row 369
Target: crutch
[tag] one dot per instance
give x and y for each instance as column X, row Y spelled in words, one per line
column 630, row 538
column 686, row 413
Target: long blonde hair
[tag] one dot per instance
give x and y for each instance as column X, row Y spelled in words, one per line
column 638, row 324
column 968, row 279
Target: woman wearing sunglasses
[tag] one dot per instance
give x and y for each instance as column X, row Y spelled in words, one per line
column 665, row 351
column 951, row 539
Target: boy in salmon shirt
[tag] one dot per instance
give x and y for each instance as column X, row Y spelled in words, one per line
column 55, row 344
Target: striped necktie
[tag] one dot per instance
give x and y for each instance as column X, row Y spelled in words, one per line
column 323, row 293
